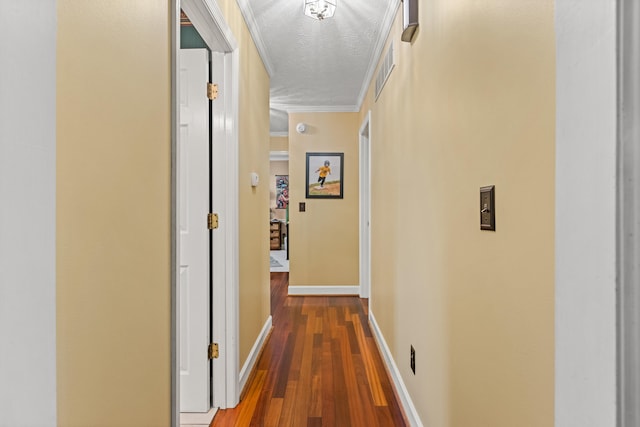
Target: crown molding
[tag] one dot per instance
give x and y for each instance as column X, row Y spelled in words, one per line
column 252, row 25
column 385, row 30
column 278, row 155
column 293, row 108
column 279, row 133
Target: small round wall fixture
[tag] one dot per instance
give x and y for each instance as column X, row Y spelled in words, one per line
column 301, row 127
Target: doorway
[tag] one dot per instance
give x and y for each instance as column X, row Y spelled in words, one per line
column 279, row 211
column 220, row 318
column 365, row 207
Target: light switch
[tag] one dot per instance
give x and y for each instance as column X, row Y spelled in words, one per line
column 303, row 206
column 487, row 208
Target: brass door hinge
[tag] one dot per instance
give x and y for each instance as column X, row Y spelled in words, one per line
column 212, row 91
column 213, row 351
column 212, row 221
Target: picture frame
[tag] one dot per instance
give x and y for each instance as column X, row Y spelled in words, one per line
column 282, row 191
column 325, row 176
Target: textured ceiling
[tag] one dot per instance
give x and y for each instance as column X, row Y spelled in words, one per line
column 317, row 65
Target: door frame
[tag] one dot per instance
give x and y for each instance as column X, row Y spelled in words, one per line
column 208, row 19
column 364, row 135
column 628, row 211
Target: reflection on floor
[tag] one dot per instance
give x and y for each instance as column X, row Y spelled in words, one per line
column 279, row 262
column 319, row 367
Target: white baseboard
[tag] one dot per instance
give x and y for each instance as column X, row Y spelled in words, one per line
column 324, row 290
column 196, row 419
column 403, row 393
column 254, row 353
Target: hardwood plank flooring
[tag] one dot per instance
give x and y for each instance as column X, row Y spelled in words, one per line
column 319, row 367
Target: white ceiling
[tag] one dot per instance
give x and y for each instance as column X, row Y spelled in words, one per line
column 317, row 65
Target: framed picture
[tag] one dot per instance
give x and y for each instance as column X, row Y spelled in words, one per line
column 282, row 191
column 325, row 175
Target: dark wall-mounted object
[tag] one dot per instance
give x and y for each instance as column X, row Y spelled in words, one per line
column 488, row 208
column 409, row 19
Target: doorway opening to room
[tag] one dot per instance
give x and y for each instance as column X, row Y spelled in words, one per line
column 279, row 206
column 204, row 213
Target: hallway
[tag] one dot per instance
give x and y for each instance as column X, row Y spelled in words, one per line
column 320, row 366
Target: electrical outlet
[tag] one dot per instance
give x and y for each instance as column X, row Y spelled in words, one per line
column 413, row 360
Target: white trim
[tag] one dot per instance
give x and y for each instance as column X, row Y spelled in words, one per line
column 252, row 25
column 405, row 399
column 365, row 200
column 279, row 133
column 324, row 290
column 175, row 227
column 385, row 30
column 231, row 300
column 224, row 202
column 219, row 176
column 28, row 382
column 293, row 108
column 279, row 156
column 197, row 419
column 628, row 213
column 250, row 363
column 585, row 255
column 208, row 19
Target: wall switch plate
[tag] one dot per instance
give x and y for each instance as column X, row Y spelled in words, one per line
column 303, row 206
column 488, row 208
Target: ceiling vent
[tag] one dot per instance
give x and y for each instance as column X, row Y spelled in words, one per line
column 386, row 67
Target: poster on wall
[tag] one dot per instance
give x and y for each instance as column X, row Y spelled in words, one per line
column 324, row 175
column 282, row 191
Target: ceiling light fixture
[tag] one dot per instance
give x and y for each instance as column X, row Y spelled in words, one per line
column 319, row 9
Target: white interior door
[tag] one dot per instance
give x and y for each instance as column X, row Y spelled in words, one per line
column 193, row 200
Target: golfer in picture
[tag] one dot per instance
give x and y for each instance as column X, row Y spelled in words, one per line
column 323, row 171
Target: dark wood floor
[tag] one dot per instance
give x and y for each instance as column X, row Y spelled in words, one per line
column 319, row 367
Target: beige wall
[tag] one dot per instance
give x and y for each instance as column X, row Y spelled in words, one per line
column 113, row 209
column 254, row 289
column 113, row 213
column 278, row 167
column 279, row 143
column 324, row 239
column 470, row 103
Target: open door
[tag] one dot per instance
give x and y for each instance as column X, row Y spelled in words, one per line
column 193, row 202
column 204, row 315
